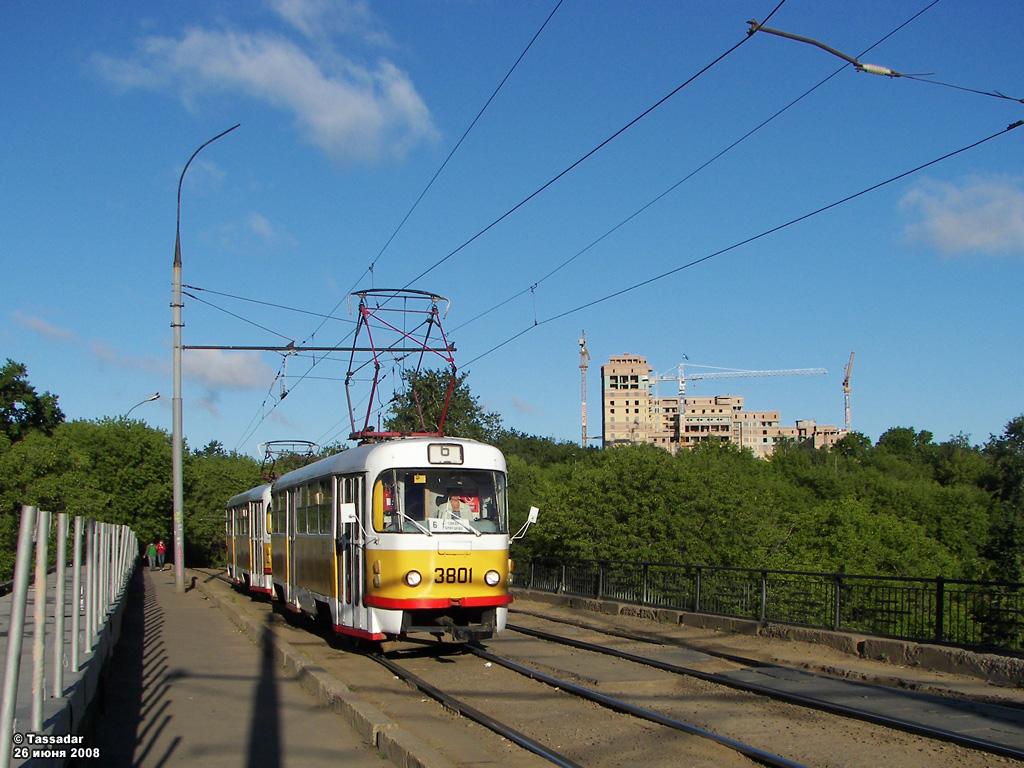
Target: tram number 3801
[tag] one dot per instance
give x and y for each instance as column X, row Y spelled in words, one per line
column 453, row 575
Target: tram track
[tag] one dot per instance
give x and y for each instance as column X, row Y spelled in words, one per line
column 745, row 684
column 464, row 709
column 436, row 657
column 553, row 725
column 620, row 706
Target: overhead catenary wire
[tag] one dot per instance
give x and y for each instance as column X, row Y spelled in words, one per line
column 578, row 162
column 297, row 310
column 533, row 286
column 236, row 316
column 437, row 173
column 458, row 144
column 872, row 69
column 588, row 155
column 993, row 94
column 748, row 240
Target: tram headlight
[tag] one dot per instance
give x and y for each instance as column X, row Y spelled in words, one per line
column 491, row 578
column 413, row 579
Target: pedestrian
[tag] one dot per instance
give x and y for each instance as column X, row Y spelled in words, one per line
column 161, row 550
column 151, row 555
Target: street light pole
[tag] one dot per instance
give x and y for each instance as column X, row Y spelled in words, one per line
column 150, row 399
column 176, row 427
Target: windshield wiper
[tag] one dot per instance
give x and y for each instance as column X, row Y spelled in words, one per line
column 464, row 524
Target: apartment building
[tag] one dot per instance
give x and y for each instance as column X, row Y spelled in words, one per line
column 625, row 405
column 633, row 412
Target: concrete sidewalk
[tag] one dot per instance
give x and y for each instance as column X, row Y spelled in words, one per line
column 187, row 687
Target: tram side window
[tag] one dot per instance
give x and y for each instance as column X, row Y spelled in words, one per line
column 298, row 502
column 321, row 497
column 313, row 506
column 256, row 518
column 277, row 516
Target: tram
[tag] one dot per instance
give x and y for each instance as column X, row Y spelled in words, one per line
column 392, row 538
column 248, row 539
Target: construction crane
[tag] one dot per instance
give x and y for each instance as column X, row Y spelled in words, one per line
column 846, row 390
column 726, row 373
column 584, row 357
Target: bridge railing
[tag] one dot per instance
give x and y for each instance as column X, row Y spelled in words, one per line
column 65, row 661
column 981, row 614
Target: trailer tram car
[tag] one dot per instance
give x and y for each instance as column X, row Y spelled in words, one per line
column 247, row 532
column 393, row 538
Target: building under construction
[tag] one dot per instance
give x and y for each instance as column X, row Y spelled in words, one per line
column 634, row 412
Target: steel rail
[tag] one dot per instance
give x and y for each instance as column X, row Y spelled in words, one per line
column 650, row 640
column 461, row 708
column 758, row 755
column 842, row 710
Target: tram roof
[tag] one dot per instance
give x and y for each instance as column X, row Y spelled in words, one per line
column 398, row 452
column 253, row 494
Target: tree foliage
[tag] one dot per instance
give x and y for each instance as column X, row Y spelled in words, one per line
column 116, row 471
column 904, row 506
column 1005, row 481
column 420, row 405
column 22, row 410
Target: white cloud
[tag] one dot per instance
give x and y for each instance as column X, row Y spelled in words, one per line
column 353, row 112
column 260, row 226
column 107, row 354
column 218, row 369
column 318, row 18
column 975, row 215
column 523, row 407
column 43, row 328
column 208, row 404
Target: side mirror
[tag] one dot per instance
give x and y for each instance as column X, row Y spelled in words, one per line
column 531, row 518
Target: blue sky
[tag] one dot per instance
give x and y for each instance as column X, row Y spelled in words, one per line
column 348, row 109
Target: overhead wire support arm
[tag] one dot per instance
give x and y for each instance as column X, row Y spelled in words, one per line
column 290, row 348
column 871, row 69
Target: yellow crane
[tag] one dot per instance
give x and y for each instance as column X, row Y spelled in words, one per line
column 846, row 390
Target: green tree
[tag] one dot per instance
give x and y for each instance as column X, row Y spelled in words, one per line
column 419, row 407
column 119, row 471
column 845, row 535
column 114, row 470
column 853, row 445
column 21, row 408
column 1005, row 481
column 957, row 462
column 916, row 449
column 210, row 480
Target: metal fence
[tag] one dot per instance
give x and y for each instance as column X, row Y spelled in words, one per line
column 980, row 614
column 65, row 661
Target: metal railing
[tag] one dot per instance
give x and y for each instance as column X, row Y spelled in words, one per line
column 99, row 577
column 980, row 614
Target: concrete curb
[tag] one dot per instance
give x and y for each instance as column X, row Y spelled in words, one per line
column 992, row 668
column 399, row 746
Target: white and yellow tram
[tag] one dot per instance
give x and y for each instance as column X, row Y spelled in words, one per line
column 403, row 536
column 247, row 531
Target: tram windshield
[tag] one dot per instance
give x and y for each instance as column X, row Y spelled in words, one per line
column 440, row 501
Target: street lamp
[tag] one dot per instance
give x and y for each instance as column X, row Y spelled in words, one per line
column 176, row 429
column 150, row 399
